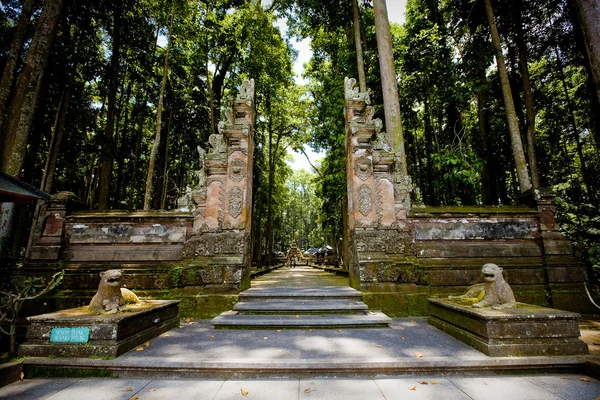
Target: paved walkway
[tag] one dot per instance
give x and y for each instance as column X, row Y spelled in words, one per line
column 298, row 277
column 530, row 387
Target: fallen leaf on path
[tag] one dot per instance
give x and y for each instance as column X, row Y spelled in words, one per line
column 412, row 388
column 266, row 301
column 423, row 382
column 435, row 383
column 188, row 319
column 22, row 376
column 166, row 335
column 278, row 330
column 244, row 392
column 402, row 337
column 147, row 344
column 419, row 355
column 211, row 337
column 265, row 337
column 279, row 351
column 310, row 330
column 152, row 390
column 297, row 316
column 379, row 346
column 412, row 321
column 585, row 379
column 140, row 348
column 329, row 340
column 127, row 390
column 307, row 390
column 134, row 397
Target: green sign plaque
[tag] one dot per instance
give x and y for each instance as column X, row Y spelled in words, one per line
column 70, row 335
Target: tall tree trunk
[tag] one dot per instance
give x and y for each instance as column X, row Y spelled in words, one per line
column 589, row 15
column 12, row 59
column 122, row 151
column 587, row 179
column 108, row 145
column 27, row 89
column 156, row 144
column 509, row 106
column 529, row 102
column 360, row 63
column 50, row 165
column 271, row 178
column 393, row 123
column 489, row 195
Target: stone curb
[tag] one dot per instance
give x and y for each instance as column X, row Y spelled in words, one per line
column 157, row 368
column 10, row 372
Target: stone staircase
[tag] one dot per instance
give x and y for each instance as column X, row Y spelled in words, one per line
column 301, row 307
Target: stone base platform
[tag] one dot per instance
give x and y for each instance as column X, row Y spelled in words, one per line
column 77, row 332
column 526, row 330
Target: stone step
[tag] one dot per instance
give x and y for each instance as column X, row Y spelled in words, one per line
column 235, row 320
column 306, row 293
column 276, row 305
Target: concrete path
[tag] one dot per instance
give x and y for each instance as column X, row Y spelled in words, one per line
column 530, row 387
column 298, row 277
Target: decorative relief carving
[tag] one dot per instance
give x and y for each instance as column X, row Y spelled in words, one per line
column 235, row 202
column 237, row 169
column 389, row 242
column 352, row 92
column 218, row 145
column 363, row 168
column 380, row 142
column 201, row 173
column 246, row 94
column 365, row 204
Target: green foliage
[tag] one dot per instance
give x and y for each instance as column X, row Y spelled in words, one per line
column 12, row 300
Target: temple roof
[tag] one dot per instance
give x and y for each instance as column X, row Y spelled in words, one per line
column 17, row 191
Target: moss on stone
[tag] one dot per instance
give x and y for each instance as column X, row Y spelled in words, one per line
column 53, row 372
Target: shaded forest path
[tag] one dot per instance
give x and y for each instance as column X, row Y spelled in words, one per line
column 300, row 276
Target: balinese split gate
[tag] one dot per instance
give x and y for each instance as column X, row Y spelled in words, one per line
column 397, row 255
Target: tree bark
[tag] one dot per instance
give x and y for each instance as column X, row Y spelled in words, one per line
column 12, row 59
column 27, row 89
column 587, row 179
column 109, row 131
column 389, row 85
column 156, row 144
column 588, row 12
column 360, row 63
column 529, row 102
column 509, row 106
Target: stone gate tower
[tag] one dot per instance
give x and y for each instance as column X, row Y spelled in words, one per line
column 378, row 197
column 220, row 245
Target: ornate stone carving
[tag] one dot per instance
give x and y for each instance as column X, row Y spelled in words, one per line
column 365, row 204
column 363, row 168
column 352, row 92
column 246, row 94
column 111, row 296
column 235, row 202
column 219, row 145
column 201, row 173
column 380, row 142
column 388, row 241
column 237, row 169
column 211, row 275
column 215, row 243
column 495, row 292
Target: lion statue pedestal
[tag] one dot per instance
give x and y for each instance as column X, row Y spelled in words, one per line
column 488, row 318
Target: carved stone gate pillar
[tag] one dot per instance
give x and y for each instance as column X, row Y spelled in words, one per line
column 220, row 244
column 378, row 199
